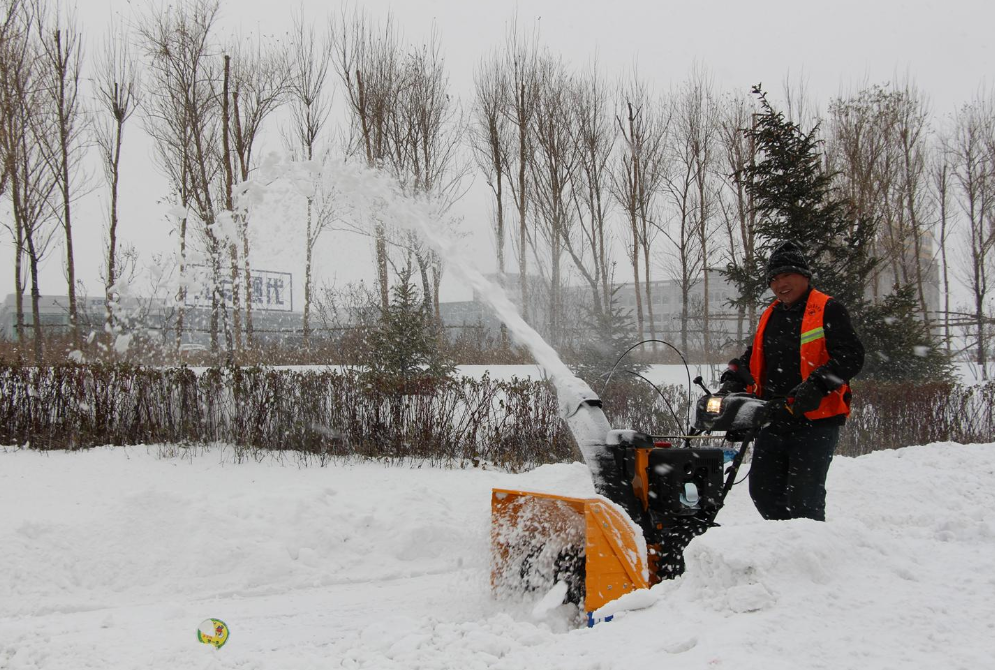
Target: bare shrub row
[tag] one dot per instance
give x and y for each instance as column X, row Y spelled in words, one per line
column 453, row 422
column 894, row 415
column 324, row 413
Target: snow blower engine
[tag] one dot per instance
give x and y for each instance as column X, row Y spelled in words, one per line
column 655, row 494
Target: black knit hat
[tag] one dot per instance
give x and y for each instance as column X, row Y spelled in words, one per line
column 787, row 257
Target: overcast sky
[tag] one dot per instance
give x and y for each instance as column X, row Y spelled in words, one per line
column 944, row 46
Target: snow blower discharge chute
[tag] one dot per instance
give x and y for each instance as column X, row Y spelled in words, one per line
column 665, row 493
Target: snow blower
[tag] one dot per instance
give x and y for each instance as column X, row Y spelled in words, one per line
column 655, row 494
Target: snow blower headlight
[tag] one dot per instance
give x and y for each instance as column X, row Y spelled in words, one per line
column 714, row 405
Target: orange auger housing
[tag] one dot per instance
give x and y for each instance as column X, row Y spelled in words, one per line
column 538, row 539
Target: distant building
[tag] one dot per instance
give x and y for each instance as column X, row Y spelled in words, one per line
column 155, row 317
column 53, row 314
column 901, row 271
column 666, row 304
column 469, row 317
column 475, row 317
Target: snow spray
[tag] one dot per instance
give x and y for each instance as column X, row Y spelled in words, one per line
column 379, row 197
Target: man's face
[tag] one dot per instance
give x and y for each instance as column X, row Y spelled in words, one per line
column 788, row 287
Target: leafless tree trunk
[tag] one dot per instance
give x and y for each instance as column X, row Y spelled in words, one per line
column 637, row 180
column 61, row 52
column 489, row 135
column 704, row 151
column 29, row 181
column 428, row 137
column 521, row 69
column 740, row 215
column 687, row 266
column 259, row 82
column 309, row 105
column 554, row 161
column 629, row 173
column 595, row 138
column 229, row 204
column 407, row 123
column 13, row 61
column 489, row 139
column 974, row 178
column 912, row 126
column 878, row 148
column 860, row 152
column 695, row 152
column 117, row 92
column 941, row 184
column 368, row 59
column 183, row 119
column 799, row 106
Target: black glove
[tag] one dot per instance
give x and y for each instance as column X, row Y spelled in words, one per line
column 775, row 411
column 807, row 397
column 736, row 377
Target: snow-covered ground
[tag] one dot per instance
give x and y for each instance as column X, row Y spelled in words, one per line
column 112, row 557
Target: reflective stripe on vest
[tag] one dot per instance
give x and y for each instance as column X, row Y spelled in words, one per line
column 814, row 355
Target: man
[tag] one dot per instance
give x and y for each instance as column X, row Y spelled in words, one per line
column 803, row 354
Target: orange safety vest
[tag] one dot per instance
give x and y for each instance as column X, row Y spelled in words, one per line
column 814, row 354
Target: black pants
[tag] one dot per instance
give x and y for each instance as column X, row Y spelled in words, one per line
column 788, row 474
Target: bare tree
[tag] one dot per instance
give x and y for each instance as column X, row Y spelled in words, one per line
column 117, row 96
column 552, row 171
column 257, row 84
column 912, row 126
column 521, row 70
column 427, row 136
column 368, row 57
column 63, row 146
column 737, row 205
column 700, row 113
column 229, row 216
column 13, row 61
column 637, row 178
column 489, row 137
column 595, row 138
column 28, row 181
column 309, row 105
column 183, row 119
column 940, row 170
column 861, row 154
column 879, row 150
column 798, row 103
column 687, row 199
column 974, row 178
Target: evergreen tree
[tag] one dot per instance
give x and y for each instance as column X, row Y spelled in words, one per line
column 404, row 345
column 613, row 332
column 795, row 199
column 898, row 344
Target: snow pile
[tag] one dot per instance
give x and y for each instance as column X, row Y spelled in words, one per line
column 113, row 557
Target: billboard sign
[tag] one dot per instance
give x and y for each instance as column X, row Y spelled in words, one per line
column 271, row 291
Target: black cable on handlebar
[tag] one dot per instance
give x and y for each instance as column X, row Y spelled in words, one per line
column 745, row 477
column 660, row 393
column 683, row 360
